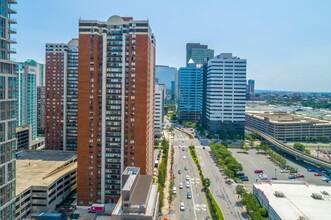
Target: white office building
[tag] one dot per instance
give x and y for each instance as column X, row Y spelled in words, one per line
column 225, row 93
column 159, row 109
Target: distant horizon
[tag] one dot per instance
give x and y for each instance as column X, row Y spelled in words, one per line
column 269, row 90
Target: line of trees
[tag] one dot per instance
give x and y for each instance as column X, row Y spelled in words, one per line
column 162, row 171
column 225, row 159
column 253, row 207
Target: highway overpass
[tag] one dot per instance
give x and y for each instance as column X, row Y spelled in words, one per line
column 299, row 155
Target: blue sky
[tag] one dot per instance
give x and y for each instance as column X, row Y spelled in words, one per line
column 287, row 44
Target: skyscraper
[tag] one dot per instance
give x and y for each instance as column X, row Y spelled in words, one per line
column 198, row 53
column 8, row 112
column 40, row 110
column 27, row 74
column 61, row 91
column 166, row 75
column 250, row 89
column 225, row 87
column 116, row 105
column 189, row 92
column 159, row 109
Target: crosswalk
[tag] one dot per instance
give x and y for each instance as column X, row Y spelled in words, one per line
column 200, row 207
column 195, row 181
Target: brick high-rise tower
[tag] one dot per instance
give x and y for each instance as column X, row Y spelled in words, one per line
column 116, row 105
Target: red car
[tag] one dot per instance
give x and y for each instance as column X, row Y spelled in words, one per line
column 258, row 171
column 299, row 175
column 317, row 174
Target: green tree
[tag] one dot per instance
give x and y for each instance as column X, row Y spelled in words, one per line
column 206, row 182
column 324, row 138
column 240, row 190
column 299, row 146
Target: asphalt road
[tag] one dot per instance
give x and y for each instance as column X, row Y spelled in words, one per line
column 196, row 207
column 253, row 161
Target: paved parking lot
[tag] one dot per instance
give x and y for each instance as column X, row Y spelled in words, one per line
column 253, row 161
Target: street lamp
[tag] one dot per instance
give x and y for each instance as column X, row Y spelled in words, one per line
column 275, row 172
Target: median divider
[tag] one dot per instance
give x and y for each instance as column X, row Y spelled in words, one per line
column 215, row 211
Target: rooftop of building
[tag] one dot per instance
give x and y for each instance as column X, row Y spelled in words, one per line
column 287, row 118
column 297, row 201
column 42, row 168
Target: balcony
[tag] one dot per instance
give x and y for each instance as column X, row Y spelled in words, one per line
column 12, row 50
column 11, row 11
column 12, row 40
column 12, row 2
column 12, row 21
column 12, row 30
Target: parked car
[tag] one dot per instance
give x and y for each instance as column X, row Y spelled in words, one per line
column 239, row 174
column 284, row 171
column 180, row 185
column 263, row 176
column 187, row 177
column 258, row 171
column 185, row 168
column 203, row 147
column 292, row 177
column 189, row 195
column 317, row 174
column 244, row 178
column 299, row 175
column 179, row 171
column 274, row 178
column 174, row 190
column 310, row 170
column 325, row 179
column 182, row 206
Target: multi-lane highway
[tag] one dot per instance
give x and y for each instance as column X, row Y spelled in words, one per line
column 186, row 173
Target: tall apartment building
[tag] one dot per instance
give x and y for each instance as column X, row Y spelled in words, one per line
column 198, row 53
column 8, row 111
column 159, row 109
column 225, row 98
column 189, row 92
column 116, row 105
column 27, row 75
column 61, row 92
column 40, row 110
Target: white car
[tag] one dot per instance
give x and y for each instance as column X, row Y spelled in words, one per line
column 325, row 179
column 284, row 171
column 184, row 157
column 187, row 177
column 180, row 185
column 182, row 206
column 188, row 184
column 174, row 190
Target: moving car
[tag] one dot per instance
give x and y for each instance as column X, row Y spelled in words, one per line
column 317, row 174
column 292, row 177
column 187, row 177
column 185, row 168
column 188, row 184
column 244, row 178
column 299, row 175
column 179, row 171
column 325, row 179
column 189, row 195
column 180, row 185
column 182, row 206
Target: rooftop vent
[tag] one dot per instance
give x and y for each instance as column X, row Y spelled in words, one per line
column 279, row 194
column 316, row 196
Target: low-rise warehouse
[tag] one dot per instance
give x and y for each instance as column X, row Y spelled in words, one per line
column 294, row 200
column 43, row 180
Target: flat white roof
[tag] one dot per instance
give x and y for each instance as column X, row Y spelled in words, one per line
column 298, row 199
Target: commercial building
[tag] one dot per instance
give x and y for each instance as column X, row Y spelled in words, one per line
column 189, row 92
column 159, row 109
column 250, row 89
column 7, row 110
column 224, row 99
column 23, row 135
column 139, row 197
column 166, row 75
column 27, row 95
column 294, row 200
column 61, row 92
column 116, row 86
column 288, row 127
column 44, row 179
column 198, row 53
